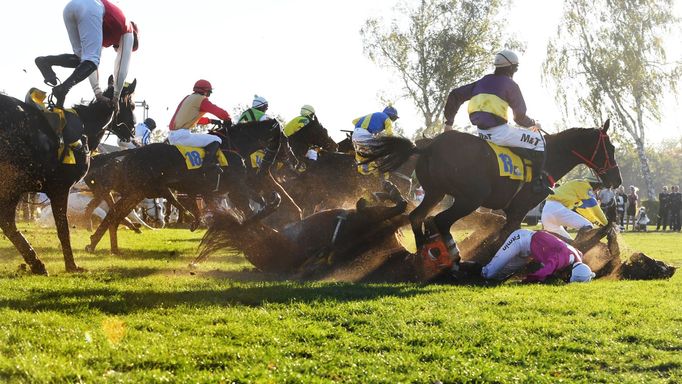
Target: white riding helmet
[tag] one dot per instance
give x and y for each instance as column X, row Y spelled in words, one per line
column 506, row 58
column 258, row 101
column 581, row 273
column 307, row 110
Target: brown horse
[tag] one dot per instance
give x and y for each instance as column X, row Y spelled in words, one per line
column 465, row 167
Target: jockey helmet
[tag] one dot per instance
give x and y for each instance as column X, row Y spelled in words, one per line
column 202, row 86
column 259, row 101
column 150, row 123
column 135, row 36
column 391, row 112
column 581, row 273
column 506, row 58
column 307, row 110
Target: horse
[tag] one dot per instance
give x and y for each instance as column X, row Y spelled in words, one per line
column 465, row 167
column 29, row 162
column 319, row 242
column 312, row 135
column 156, row 170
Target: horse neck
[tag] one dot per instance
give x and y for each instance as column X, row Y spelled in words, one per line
column 95, row 118
column 560, row 159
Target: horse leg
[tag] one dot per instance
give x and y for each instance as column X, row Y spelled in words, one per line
column 114, row 216
column 444, row 220
column 418, row 215
column 121, row 214
column 60, row 201
column 170, row 197
column 90, row 208
column 9, row 228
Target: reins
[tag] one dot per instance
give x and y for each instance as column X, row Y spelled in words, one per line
column 601, row 144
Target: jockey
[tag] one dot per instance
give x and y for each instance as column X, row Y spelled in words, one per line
column 552, row 253
column 91, row 25
column 190, row 110
column 573, row 205
column 256, row 112
column 143, row 132
column 300, row 122
column 489, row 99
column 367, row 128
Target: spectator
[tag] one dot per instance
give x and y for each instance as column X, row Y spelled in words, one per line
column 606, row 197
column 642, row 220
column 621, row 200
column 675, row 206
column 631, row 209
column 663, row 209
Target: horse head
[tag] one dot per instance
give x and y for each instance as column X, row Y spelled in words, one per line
column 589, row 146
column 312, row 135
column 123, row 122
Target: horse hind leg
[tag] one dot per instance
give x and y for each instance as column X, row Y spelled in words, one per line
column 418, row 215
column 9, row 228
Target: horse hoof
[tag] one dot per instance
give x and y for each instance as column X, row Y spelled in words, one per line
column 193, row 227
column 90, row 248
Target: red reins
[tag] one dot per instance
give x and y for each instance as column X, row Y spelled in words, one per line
column 601, row 143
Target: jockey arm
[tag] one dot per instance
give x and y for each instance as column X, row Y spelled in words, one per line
column 518, row 106
column 208, row 107
column 456, row 98
column 123, row 54
column 388, row 127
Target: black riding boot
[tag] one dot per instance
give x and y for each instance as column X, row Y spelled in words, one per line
column 45, row 64
column 82, row 71
column 540, row 184
column 211, row 156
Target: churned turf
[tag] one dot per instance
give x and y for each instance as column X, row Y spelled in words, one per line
column 144, row 316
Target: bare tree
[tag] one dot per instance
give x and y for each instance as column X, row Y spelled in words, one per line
column 435, row 46
column 609, row 57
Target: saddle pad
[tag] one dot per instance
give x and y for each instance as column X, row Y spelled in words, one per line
column 69, row 157
column 256, row 158
column 512, row 165
column 194, row 156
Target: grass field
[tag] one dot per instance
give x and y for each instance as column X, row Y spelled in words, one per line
column 145, row 317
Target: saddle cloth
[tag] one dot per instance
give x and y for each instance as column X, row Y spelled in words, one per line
column 69, row 157
column 512, row 165
column 194, row 156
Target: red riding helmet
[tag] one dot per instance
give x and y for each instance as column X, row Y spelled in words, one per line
column 203, row 86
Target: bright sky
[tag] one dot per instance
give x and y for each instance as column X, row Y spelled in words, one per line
column 292, row 52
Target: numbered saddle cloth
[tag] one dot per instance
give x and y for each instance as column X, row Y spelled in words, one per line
column 194, row 156
column 512, row 165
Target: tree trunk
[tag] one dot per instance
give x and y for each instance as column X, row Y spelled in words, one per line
column 646, row 171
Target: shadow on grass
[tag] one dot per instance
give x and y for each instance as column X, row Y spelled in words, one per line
column 120, row 301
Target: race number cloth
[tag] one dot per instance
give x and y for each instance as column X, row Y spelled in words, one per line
column 194, row 156
column 512, row 165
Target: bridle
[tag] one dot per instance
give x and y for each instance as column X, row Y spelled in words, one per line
column 601, row 144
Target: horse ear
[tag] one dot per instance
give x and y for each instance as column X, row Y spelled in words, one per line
column 606, row 125
column 131, row 87
column 110, row 81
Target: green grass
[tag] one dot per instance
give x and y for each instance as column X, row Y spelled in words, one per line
column 145, row 316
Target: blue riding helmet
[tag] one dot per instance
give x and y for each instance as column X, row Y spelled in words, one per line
column 391, row 112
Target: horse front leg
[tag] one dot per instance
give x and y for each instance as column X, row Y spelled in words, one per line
column 170, row 197
column 418, row 215
column 9, row 228
column 113, row 217
column 60, row 201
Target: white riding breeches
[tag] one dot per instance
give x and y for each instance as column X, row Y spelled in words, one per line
column 511, row 258
column 185, row 137
column 555, row 216
column 83, row 20
column 507, row 136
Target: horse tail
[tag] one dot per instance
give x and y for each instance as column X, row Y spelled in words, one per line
column 389, row 153
column 221, row 234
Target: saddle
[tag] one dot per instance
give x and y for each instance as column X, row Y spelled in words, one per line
column 64, row 122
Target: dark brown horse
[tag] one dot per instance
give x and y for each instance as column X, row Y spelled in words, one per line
column 465, row 167
column 29, row 162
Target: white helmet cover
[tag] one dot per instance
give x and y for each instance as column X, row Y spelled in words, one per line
column 307, row 110
column 506, row 58
column 581, row 273
column 258, row 101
